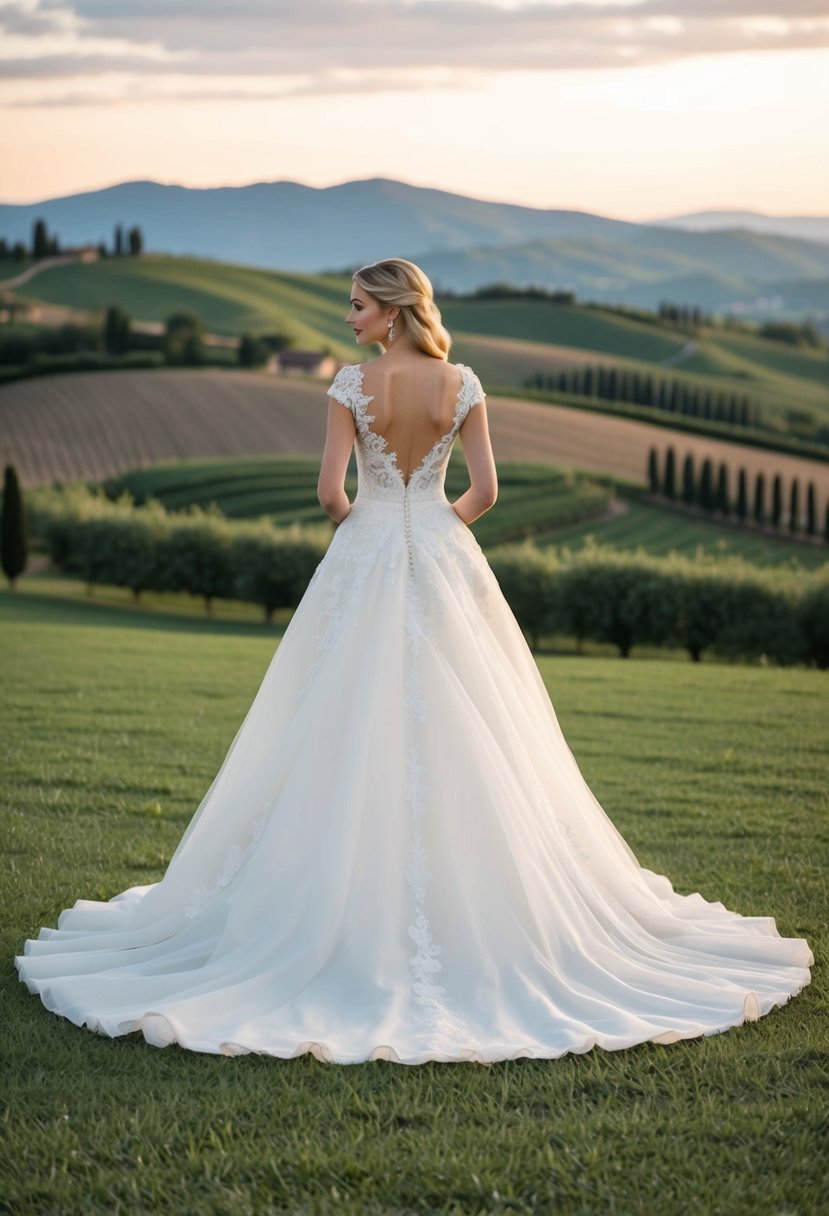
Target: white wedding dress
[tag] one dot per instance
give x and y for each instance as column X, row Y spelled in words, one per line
column 399, row 858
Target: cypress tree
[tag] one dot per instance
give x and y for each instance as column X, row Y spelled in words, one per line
column 669, row 486
column 40, row 239
column 723, row 503
column 777, row 501
column 688, row 487
column 811, row 510
column 706, row 500
column 794, row 506
column 742, row 496
column 653, row 471
column 760, row 498
column 117, row 327
column 587, row 383
column 14, row 540
column 826, row 524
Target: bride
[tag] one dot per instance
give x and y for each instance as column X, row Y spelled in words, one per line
column 399, row 858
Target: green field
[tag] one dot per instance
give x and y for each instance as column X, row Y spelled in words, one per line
column 114, row 722
column 660, row 530
column 563, row 325
column 311, row 309
column 230, row 299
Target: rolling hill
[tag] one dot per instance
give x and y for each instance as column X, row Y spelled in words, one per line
column 96, row 425
column 463, row 241
column 526, row 335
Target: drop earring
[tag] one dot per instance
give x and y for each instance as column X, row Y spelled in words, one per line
column 392, row 334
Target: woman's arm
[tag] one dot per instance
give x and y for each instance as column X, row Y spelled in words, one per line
column 477, row 448
column 339, row 441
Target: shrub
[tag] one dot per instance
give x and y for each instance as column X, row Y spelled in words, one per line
column 528, row 576
column 273, row 566
column 196, row 556
column 615, row 597
column 813, row 614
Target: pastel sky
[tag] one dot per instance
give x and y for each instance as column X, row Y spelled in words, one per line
column 636, row 109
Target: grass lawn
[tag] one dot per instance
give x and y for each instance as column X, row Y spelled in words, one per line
column 114, row 722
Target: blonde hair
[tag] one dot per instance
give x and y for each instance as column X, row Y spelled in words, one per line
column 398, row 283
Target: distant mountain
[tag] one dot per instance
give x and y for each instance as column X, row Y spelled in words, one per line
column 462, row 242
column 288, row 226
column 717, row 271
column 802, row 227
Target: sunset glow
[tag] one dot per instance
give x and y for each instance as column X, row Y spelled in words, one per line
column 601, row 107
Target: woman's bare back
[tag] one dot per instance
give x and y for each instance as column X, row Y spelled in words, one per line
column 413, row 405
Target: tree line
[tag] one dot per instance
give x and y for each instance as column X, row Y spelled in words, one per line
column 699, row 487
column 674, row 395
column 44, row 245
column 93, row 346
column 721, row 606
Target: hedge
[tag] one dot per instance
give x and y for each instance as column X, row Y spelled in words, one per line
column 724, row 606
column 199, row 551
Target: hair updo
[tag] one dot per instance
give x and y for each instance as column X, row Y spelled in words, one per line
column 398, row 283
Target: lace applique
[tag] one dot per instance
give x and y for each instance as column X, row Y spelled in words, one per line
column 472, row 392
column 235, row 858
column 351, row 556
column 378, row 471
column 433, row 463
column 346, row 386
column 416, row 625
column 424, row 963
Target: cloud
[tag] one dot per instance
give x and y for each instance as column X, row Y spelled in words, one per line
column 351, row 46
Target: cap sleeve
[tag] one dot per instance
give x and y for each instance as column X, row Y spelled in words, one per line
column 346, row 385
column 472, row 392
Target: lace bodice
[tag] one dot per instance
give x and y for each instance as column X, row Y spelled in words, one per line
column 378, row 473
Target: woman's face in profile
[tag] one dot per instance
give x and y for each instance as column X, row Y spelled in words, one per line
column 367, row 318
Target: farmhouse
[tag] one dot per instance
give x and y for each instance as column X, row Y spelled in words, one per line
column 305, row 363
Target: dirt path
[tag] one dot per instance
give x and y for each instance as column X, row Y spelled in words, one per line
column 681, row 355
column 43, row 264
